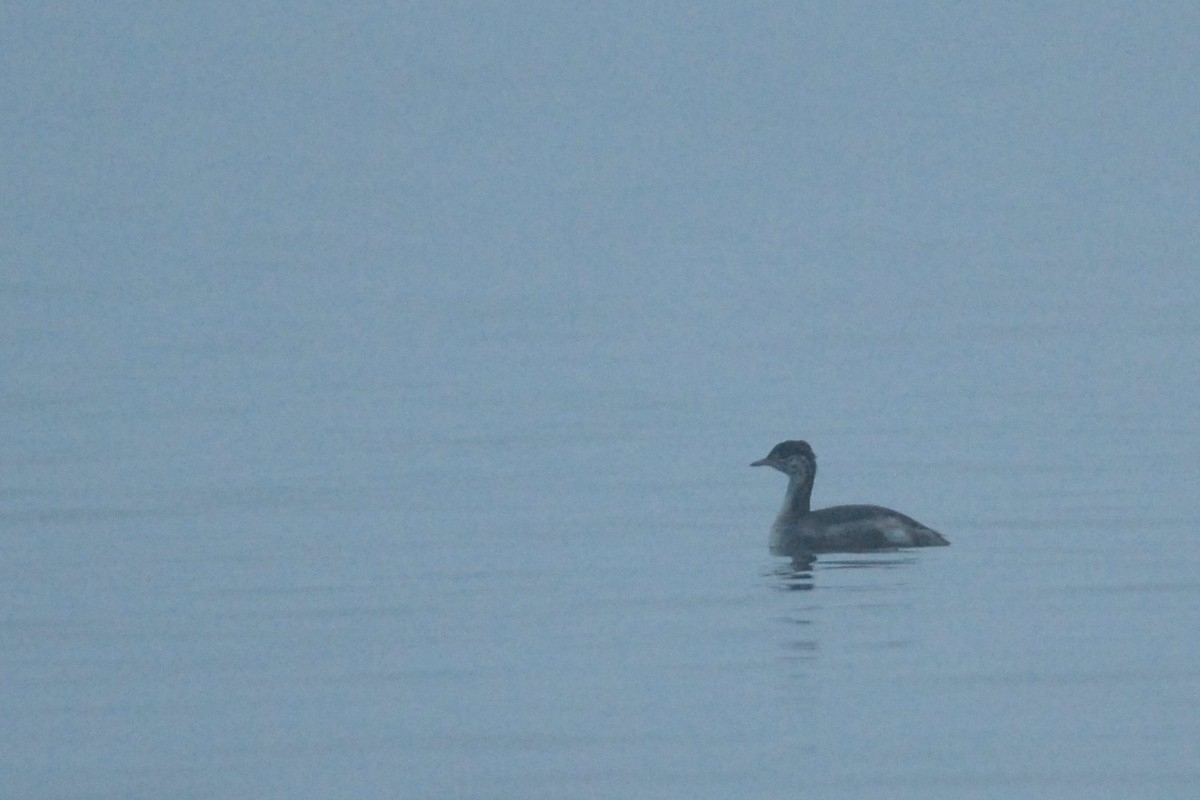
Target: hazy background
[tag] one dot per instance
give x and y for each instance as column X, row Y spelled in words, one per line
column 380, row 380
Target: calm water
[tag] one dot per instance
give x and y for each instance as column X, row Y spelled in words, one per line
column 236, row 580
column 380, row 391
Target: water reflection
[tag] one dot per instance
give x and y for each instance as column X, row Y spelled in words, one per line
column 874, row 561
column 801, row 650
column 799, row 574
column 796, row 576
column 858, row 615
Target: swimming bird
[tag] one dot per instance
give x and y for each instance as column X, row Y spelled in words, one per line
column 799, row 531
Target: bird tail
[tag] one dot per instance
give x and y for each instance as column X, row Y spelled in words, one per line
column 927, row 537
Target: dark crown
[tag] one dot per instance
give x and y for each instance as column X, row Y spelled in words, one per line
column 790, row 448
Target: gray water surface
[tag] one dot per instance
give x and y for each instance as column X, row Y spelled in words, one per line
column 380, row 388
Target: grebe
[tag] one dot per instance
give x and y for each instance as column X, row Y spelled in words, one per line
column 799, row 531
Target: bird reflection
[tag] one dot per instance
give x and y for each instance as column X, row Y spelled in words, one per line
column 800, row 573
column 797, row 576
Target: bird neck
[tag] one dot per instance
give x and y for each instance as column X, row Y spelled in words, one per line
column 797, row 501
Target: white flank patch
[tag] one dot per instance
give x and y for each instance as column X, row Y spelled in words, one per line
column 897, row 535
